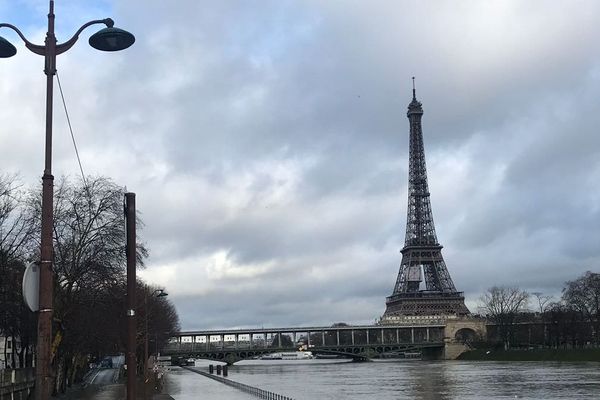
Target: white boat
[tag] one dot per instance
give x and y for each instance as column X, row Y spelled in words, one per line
column 296, row 355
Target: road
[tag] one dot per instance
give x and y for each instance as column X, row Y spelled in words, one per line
column 99, row 384
column 106, row 376
column 102, row 384
column 103, row 376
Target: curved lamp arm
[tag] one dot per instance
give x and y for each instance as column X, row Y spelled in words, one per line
column 61, row 48
column 36, row 48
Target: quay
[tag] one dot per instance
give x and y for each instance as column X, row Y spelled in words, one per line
column 112, row 391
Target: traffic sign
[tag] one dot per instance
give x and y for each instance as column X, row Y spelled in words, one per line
column 31, row 286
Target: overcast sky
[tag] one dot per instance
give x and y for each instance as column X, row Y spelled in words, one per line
column 267, row 143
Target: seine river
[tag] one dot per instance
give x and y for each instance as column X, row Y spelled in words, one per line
column 325, row 379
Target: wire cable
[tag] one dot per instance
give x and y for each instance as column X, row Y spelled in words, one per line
column 71, row 130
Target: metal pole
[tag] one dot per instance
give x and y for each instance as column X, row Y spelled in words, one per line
column 131, row 283
column 145, row 335
column 44, row 333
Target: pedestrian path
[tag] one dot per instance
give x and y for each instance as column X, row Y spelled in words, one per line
column 111, row 392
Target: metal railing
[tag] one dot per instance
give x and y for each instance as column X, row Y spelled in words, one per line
column 298, row 330
column 254, row 391
column 16, row 383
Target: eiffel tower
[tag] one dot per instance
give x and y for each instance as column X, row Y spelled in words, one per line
column 422, row 253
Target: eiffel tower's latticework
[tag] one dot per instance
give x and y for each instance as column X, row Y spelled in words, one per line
column 422, row 254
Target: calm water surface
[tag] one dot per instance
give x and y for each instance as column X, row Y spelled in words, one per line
column 326, row 379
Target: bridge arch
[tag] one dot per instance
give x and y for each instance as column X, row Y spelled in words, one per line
column 465, row 335
column 465, row 328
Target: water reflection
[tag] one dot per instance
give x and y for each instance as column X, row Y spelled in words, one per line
column 430, row 382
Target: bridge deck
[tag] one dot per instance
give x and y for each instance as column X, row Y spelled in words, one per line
column 306, row 329
column 355, row 341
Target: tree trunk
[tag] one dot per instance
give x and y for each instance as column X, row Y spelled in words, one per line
column 22, row 356
column 5, row 352
column 60, row 372
column 13, row 359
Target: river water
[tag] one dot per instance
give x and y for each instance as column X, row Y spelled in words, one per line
column 328, row 379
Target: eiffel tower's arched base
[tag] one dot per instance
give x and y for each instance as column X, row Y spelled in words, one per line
column 426, row 303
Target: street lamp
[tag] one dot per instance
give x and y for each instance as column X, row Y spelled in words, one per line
column 156, row 293
column 107, row 39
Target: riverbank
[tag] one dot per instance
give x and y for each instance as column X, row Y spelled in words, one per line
column 567, row 355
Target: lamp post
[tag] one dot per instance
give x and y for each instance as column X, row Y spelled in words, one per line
column 156, row 293
column 107, row 39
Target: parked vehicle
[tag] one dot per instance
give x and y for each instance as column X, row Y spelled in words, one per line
column 106, row 362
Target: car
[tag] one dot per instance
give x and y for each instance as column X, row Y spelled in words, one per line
column 106, row 362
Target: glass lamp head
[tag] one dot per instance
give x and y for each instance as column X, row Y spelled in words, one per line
column 6, row 48
column 111, row 39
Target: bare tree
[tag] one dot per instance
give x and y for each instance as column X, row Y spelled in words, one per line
column 583, row 295
column 502, row 304
column 90, row 269
column 163, row 320
column 542, row 301
column 16, row 233
column 16, row 224
column 89, row 240
column 565, row 326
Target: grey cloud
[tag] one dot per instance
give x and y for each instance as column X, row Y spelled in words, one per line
column 277, row 135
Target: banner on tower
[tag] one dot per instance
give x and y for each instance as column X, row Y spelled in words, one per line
column 414, row 273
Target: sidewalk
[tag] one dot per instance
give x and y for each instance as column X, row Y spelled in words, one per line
column 117, row 391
